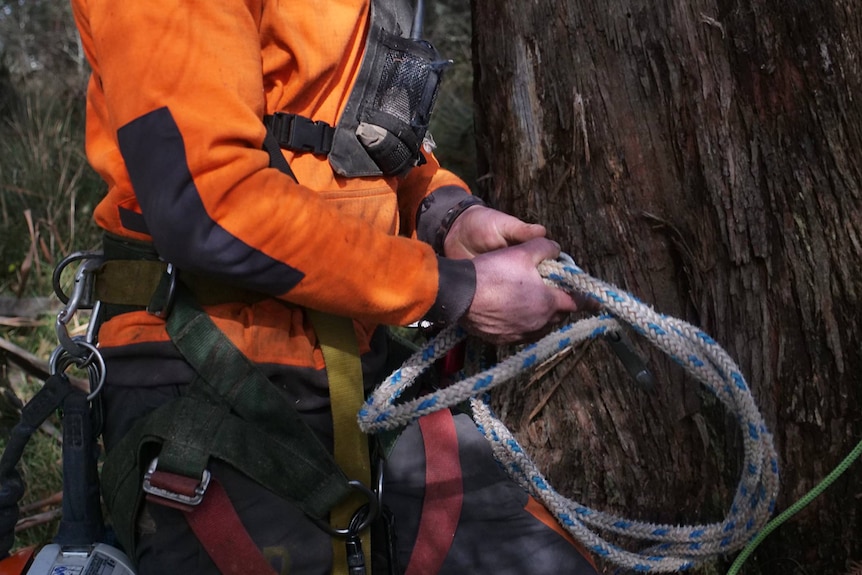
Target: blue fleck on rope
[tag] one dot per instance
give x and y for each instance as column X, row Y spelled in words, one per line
column 663, row 548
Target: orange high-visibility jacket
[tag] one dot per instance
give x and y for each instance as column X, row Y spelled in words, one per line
column 174, row 110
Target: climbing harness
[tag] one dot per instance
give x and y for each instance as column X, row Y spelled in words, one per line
column 669, row 547
column 231, row 412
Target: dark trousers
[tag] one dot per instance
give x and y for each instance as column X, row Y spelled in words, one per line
column 497, row 532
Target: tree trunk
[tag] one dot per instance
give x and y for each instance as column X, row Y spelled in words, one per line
column 703, row 156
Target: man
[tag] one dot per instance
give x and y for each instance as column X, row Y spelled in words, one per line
column 176, row 108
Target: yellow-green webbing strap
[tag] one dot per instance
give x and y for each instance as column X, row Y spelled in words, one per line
column 344, row 371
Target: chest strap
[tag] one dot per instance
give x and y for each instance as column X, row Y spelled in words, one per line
column 300, row 134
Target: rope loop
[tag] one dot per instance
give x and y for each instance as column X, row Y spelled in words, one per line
column 665, row 548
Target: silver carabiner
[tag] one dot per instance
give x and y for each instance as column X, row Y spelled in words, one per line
column 80, row 298
column 57, row 276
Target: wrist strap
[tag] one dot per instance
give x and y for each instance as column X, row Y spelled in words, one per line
column 450, row 218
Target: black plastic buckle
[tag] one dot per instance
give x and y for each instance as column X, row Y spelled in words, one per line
column 300, row 134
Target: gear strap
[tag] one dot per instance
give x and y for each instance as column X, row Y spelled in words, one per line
column 344, row 372
column 46, row 401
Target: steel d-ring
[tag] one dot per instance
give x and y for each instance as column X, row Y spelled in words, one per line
column 61, row 360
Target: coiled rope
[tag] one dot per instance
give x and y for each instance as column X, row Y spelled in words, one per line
column 669, row 548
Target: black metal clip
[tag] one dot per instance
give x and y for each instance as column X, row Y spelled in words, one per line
column 162, row 301
column 353, row 544
column 630, row 359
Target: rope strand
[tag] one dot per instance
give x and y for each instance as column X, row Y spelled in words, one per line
column 669, row 548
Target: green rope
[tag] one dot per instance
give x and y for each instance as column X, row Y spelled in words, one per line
column 795, row 508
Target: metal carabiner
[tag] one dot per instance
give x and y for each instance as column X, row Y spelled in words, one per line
column 93, row 326
column 371, row 510
column 56, row 278
column 635, row 365
column 81, row 298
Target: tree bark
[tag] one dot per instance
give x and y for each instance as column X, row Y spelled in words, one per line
column 703, row 156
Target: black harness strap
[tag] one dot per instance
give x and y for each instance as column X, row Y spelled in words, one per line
column 46, row 401
column 82, row 523
column 276, row 158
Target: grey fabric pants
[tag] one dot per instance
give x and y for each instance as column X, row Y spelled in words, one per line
column 496, row 532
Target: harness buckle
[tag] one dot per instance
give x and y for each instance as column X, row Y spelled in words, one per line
column 174, row 490
column 299, row 133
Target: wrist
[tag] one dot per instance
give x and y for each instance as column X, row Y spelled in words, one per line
column 455, row 291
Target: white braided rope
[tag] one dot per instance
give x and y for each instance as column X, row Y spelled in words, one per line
column 670, row 548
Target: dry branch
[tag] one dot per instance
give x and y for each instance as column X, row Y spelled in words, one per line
column 34, row 365
column 50, row 501
column 38, row 519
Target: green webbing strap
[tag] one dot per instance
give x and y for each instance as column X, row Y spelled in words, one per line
column 344, row 372
column 231, row 412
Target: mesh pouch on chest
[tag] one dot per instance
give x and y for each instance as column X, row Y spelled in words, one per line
column 396, row 110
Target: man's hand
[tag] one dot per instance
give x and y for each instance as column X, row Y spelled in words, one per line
column 481, row 230
column 512, row 302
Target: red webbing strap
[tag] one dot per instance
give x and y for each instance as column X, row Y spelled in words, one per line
column 217, row 526
column 444, row 494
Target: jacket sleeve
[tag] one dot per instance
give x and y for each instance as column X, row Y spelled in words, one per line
column 181, row 87
column 427, row 185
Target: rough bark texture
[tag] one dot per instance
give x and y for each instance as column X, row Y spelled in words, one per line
column 703, row 155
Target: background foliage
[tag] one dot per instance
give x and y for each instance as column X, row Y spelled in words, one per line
column 47, row 193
